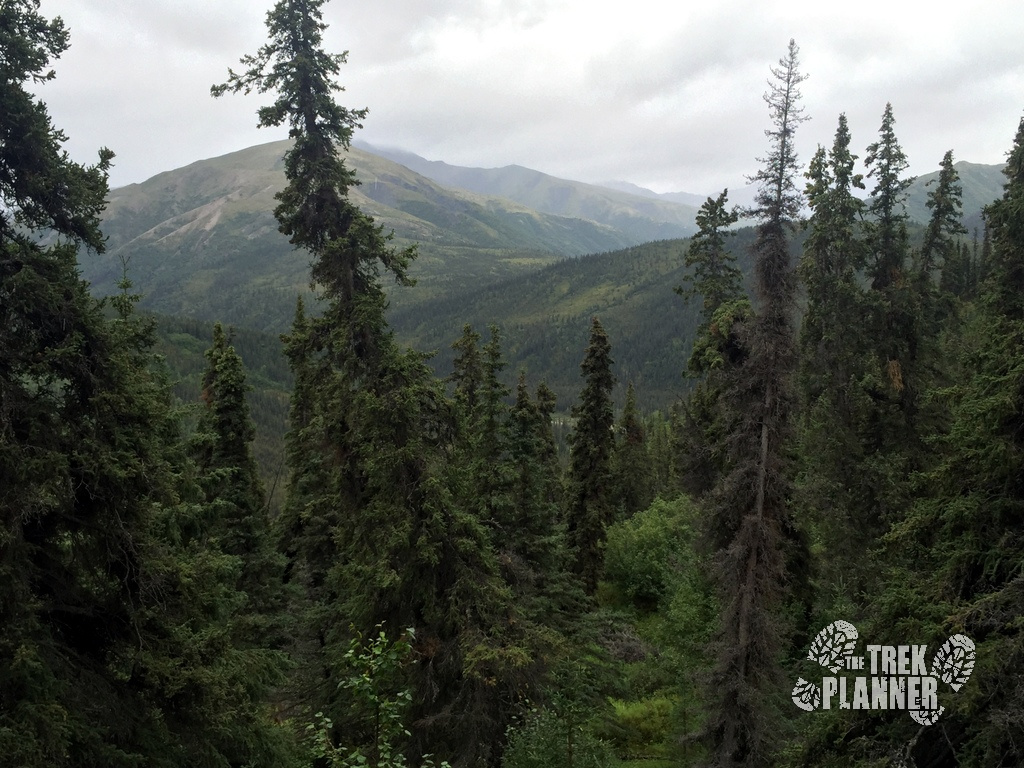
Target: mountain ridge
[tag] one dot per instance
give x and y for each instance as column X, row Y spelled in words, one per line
column 644, row 219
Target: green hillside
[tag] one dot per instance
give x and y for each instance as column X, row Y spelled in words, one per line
column 545, row 316
column 201, row 241
column 202, row 244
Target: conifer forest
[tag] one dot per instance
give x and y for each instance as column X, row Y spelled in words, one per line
column 814, row 556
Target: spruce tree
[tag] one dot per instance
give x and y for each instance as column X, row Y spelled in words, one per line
column 887, row 227
column 467, row 369
column 717, row 280
column 748, row 526
column 590, row 493
column 833, row 255
column 233, row 490
column 379, row 531
column 834, row 358
column 961, row 547
column 114, row 644
column 539, row 571
column 890, row 437
column 715, row 277
column 77, row 438
column 939, row 269
column 944, row 223
column 894, row 320
column 494, row 470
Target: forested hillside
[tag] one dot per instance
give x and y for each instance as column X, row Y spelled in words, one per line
column 324, row 549
column 544, row 317
column 202, row 241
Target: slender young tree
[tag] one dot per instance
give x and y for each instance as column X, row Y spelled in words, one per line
column 715, row 277
column 749, row 527
column 630, row 461
column 590, row 502
column 717, row 280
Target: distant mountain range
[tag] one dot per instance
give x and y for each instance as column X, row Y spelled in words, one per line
column 642, row 216
column 201, row 242
column 981, row 184
column 741, row 196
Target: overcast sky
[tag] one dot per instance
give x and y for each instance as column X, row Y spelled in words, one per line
column 664, row 94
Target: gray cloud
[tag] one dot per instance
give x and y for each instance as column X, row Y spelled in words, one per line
column 661, row 96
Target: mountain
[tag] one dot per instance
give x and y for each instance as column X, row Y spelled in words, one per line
column 638, row 216
column 741, row 196
column 202, row 241
column 635, row 189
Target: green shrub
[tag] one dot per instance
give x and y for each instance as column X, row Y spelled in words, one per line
column 548, row 741
column 646, row 555
column 643, row 728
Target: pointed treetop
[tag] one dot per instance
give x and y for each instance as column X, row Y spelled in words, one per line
column 945, row 222
column 886, row 163
column 715, row 276
column 314, row 210
column 778, row 200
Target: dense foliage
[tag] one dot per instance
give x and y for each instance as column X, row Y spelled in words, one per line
column 469, row 570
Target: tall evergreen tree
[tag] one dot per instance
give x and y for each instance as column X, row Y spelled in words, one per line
column 233, row 490
column 112, row 604
column 890, row 438
column 590, row 503
column 895, row 323
column 490, row 424
column 962, row 545
column 715, row 278
column 467, row 369
column 833, row 255
column 536, row 549
column 749, row 523
column 70, row 564
column 372, row 460
column 940, row 269
column 887, row 228
column 834, row 358
column 945, row 201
